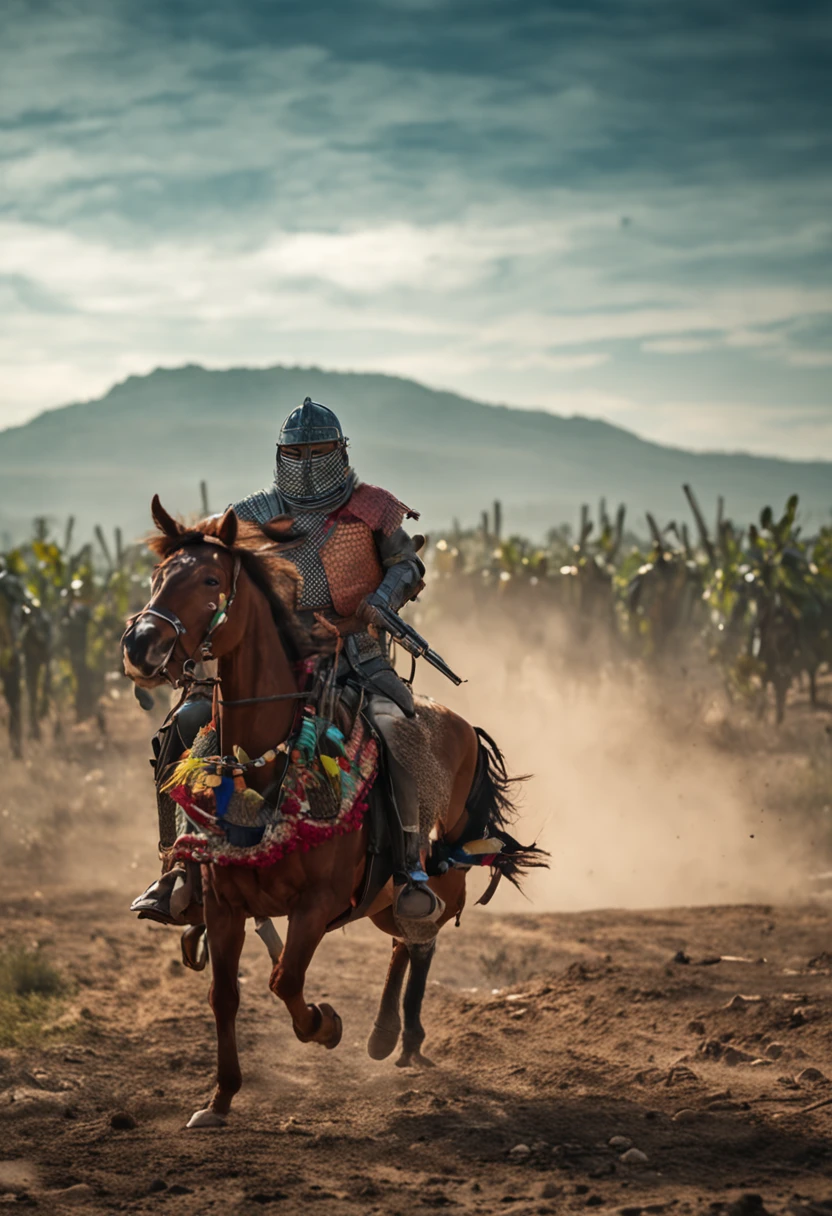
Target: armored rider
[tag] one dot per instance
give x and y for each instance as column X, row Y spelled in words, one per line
column 355, row 557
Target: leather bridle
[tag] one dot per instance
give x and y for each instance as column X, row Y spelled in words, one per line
column 204, row 647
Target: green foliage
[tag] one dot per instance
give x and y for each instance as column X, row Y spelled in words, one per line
column 758, row 601
column 31, row 992
column 62, row 611
column 28, row 973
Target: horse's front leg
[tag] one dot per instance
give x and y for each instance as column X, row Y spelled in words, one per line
column 307, row 925
column 226, row 934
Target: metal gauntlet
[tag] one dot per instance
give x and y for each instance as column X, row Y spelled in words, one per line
column 400, row 584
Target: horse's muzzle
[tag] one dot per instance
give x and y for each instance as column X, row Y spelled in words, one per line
column 146, row 649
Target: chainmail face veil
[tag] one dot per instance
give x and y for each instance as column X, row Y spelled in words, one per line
column 314, row 481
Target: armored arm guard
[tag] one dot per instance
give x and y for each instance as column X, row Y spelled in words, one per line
column 404, row 575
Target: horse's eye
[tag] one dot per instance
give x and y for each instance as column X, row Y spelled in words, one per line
column 212, row 582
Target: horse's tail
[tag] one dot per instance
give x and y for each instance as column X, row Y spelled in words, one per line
column 491, row 811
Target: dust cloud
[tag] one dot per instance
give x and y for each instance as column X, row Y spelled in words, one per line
column 636, row 802
column 634, row 793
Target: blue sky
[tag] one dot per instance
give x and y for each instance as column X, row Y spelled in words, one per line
column 622, row 209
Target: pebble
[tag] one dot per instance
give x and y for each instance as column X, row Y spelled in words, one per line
column 123, row 1121
column 740, row 1001
column 733, row 1056
column 620, row 1142
column 551, row 1190
column 634, row 1156
column 810, row 1076
column 520, row 1151
column 775, row 1050
column 540, row 1146
column 747, row 1205
column 686, row 1115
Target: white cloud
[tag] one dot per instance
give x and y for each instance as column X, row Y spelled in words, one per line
column 678, row 346
column 231, row 202
column 809, row 358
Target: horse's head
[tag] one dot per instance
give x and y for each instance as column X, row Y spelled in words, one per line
column 202, row 572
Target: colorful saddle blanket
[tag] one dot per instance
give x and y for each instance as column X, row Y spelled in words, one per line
column 324, row 793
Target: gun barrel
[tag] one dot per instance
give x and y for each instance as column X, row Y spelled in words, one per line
column 439, row 663
column 416, row 645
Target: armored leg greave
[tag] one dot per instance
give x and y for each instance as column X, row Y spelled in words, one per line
column 385, row 713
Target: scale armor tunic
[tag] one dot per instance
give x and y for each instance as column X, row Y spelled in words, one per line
column 347, row 553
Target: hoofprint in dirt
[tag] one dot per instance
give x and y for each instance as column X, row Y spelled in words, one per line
column 581, row 1063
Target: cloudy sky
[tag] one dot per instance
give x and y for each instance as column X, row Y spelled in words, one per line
column 614, row 207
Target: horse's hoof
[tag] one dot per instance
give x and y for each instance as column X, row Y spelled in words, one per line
column 337, row 1029
column 382, row 1042
column 414, row 1059
column 206, row 1118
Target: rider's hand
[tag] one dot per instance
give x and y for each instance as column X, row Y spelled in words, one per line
column 367, row 612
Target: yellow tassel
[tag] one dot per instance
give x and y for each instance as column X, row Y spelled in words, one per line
column 184, row 773
column 331, row 767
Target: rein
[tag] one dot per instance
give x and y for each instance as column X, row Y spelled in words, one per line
column 278, row 696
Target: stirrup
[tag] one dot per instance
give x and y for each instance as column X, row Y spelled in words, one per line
column 414, row 900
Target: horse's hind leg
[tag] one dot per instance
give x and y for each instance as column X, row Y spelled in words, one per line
column 388, row 1023
column 421, row 957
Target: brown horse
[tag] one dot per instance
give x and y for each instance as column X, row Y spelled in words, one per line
column 257, row 646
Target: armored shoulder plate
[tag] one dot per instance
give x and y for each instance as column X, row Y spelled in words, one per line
column 260, row 507
column 378, row 508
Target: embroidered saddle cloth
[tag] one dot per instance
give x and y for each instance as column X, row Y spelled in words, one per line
column 324, row 793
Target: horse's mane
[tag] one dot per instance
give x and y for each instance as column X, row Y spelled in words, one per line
column 258, row 548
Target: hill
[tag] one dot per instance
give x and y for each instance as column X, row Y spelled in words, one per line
column 446, row 455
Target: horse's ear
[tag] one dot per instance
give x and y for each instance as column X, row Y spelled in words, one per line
column 227, row 529
column 164, row 522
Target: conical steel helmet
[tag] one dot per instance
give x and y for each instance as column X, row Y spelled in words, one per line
column 310, row 423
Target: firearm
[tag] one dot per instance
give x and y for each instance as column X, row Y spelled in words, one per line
column 414, row 643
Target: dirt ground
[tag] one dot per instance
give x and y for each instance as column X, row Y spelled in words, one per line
column 699, row 1037
column 539, row 1089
